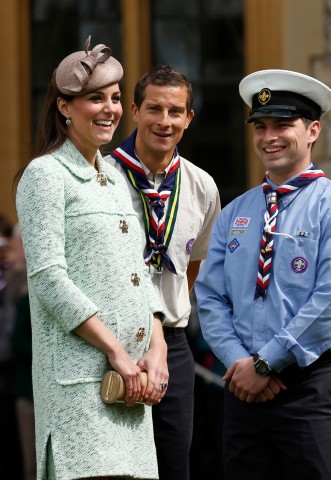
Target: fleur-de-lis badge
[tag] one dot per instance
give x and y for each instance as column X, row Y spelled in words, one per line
column 135, row 279
column 140, row 334
column 264, row 96
column 124, row 226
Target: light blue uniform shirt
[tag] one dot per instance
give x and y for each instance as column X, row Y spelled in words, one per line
column 293, row 322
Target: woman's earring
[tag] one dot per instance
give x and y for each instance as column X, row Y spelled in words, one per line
column 68, row 121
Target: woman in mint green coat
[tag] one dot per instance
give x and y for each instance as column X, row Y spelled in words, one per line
column 92, row 301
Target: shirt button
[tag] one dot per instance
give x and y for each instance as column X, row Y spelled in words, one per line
column 260, row 307
column 258, row 338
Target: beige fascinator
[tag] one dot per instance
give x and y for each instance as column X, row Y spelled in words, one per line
column 85, row 71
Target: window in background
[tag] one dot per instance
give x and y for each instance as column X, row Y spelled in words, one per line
column 60, row 27
column 204, row 40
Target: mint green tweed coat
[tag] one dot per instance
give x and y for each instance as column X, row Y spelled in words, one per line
column 82, row 260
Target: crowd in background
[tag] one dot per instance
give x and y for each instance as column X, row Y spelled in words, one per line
column 16, row 399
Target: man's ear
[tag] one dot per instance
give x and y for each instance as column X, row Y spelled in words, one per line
column 314, row 131
column 189, row 118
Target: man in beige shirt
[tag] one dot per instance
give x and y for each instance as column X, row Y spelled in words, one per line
column 177, row 204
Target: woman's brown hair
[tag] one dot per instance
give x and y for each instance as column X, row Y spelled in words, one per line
column 51, row 131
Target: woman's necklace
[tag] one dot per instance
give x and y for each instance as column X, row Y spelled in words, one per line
column 101, row 177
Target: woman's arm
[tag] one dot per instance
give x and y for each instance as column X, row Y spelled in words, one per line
column 155, row 363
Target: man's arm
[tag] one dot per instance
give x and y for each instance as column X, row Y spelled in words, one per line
column 214, row 303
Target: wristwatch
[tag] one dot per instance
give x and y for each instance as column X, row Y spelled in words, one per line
column 261, row 365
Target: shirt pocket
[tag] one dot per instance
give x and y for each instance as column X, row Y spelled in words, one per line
column 295, row 266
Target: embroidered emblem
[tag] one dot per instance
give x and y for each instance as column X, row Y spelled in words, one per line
column 299, row 264
column 124, row 226
column 140, row 334
column 238, row 231
column 264, row 96
column 189, row 246
column 233, row 245
column 241, row 222
column 135, row 279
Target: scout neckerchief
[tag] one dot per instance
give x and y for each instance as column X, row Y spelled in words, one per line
column 270, row 217
column 158, row 227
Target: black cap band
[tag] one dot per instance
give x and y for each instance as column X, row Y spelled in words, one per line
column 268, row 103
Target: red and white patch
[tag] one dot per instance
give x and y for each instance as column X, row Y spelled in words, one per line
column 241, row 222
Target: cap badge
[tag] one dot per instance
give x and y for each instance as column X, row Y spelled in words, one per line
column 264, row 96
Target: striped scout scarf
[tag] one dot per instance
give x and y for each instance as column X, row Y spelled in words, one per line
column 158, row 227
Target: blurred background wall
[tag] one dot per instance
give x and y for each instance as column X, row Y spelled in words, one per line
column 214, row 42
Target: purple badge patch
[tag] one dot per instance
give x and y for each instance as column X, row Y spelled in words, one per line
column 233, row 245
column 189, row 246
column 299, row 264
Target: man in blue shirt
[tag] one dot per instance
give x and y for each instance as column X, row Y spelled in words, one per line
column 264, row 291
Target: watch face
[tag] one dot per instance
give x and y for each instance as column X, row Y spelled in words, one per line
column 262, row 367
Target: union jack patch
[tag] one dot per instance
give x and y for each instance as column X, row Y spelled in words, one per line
column 241, row 222
column 233, row 245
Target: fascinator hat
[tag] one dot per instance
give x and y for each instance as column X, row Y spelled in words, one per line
column 85, row 71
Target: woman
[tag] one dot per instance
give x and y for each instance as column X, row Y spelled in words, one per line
column 92, row 302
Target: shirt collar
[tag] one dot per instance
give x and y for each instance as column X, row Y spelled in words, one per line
column 274, row 186
column 149, row 173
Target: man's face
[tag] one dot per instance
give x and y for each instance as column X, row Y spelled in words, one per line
column 161, row 119
column 284, row 145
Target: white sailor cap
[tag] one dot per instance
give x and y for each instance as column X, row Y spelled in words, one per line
column 283, row 93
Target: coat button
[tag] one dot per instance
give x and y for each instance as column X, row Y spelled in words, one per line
column 140, row 334
column 135, row 279
column 124, row 226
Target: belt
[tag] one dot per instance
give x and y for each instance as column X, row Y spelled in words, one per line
column 173, row 331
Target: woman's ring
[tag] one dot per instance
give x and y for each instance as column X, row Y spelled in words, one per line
column 163, row 385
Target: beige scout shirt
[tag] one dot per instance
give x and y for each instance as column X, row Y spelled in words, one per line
column 199, row 206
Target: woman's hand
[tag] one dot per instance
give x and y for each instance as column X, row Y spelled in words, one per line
column 131, row 374
column 96, row 333
column 154, row 362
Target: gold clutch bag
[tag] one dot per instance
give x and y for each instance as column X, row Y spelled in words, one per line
column 113, row 386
